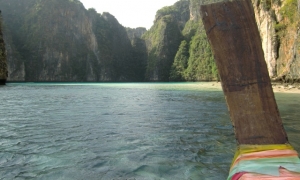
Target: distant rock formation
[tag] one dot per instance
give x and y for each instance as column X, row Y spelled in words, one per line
column 3, row 64
column 60, row 40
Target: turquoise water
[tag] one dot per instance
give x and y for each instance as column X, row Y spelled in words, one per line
column 121, row 131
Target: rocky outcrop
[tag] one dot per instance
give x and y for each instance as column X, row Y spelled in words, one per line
column 140, row 56
column 266, row 24
column 59, row 40
column 3, row 64
column 279, row 33
column 163, row 40
column 135, row 32
column 288, row 62
column 16, row 64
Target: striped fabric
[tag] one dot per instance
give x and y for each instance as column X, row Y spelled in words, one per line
column 265, row 162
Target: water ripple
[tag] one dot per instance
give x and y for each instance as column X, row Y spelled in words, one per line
column 119, row 131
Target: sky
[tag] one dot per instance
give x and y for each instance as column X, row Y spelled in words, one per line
column 130, row 13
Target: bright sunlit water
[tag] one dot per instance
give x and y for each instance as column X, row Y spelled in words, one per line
column 121, row 131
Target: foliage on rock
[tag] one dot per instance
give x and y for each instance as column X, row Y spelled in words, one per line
column 59, row 40
column 3, row 64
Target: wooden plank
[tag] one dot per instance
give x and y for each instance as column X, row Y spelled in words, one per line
column 236, row 44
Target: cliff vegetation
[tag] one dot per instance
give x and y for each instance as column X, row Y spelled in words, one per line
column 278, row 23
column 59, row 40
column 3, row 64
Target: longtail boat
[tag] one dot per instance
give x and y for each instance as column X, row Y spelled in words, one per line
column 263, row 149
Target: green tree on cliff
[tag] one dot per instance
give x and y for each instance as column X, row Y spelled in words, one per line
column 180, row 62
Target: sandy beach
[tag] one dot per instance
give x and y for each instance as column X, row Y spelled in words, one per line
column 277, row 87
column 286, row 88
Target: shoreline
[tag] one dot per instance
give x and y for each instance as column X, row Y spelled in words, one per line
column 277, row 87
column 286, row 88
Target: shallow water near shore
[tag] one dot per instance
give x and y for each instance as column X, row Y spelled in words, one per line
column 121, row 130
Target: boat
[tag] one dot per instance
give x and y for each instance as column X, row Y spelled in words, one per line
column 264, row 151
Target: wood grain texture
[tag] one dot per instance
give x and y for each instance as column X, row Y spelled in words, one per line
column 236, row 45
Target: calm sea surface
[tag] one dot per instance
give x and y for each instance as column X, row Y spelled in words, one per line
column 121, row 131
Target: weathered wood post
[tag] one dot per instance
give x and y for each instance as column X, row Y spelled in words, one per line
column 234, row 37
column 263, row 151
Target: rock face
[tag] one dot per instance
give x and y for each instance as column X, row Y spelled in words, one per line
column 3, row 64
column 163, row 40
column 288, row 62
column 266, row 23
column 277, row 22
column 139, row 51
column 59, row 40
column 135, row 32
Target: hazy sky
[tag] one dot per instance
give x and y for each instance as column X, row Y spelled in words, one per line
column 130, row 13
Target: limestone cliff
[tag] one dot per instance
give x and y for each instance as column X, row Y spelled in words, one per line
column 266, row 24
column 279, row 35
column 139, row 51
column 59, row 40
column 15, row 62
column 200, row 62
column 163, row 40
column 278, row 23
column 135, row 32
column 3, row 64
column 288, row 62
